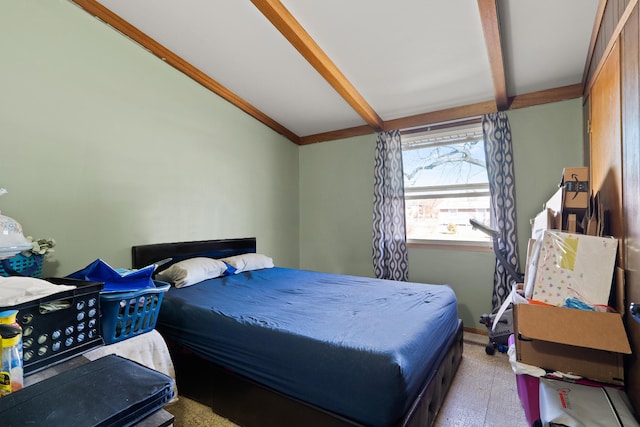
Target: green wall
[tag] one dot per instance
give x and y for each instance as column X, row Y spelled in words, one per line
column 104, row 146
column 336, row 201
column 546, row 139
column 336, row 206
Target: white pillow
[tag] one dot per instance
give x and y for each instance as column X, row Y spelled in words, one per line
column 248, row 262
column 191, row 271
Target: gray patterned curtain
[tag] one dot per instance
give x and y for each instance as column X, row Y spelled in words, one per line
column 390, row 257
column 499, row 158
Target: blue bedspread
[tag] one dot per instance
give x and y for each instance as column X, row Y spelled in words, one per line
column 359, row 347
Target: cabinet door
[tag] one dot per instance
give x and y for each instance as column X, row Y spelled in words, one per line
column 605, row 153
column 631, row 191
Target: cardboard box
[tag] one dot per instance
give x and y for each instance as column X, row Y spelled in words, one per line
column 570, row 202
column 586, row 343
column 575, row 188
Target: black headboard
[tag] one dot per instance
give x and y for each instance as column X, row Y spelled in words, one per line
column 144, row 255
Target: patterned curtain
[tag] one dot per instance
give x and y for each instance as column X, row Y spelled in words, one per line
column 390, row 257
column 499, row 158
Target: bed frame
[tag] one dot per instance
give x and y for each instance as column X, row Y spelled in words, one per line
column 248, row 403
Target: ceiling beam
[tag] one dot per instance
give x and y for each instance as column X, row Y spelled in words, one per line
column 336, row 134
column 545, row 96
column 456, row 113
column 291, row 29
column 491, row 30
column 552, row 95
column 99, row 11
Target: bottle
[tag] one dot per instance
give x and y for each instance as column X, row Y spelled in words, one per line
column 10, row 317
column 11, row 374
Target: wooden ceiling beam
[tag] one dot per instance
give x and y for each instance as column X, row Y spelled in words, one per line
column 456, row 113
column 99, row 11
column 291, row 29
column 545, row 96
column 491, row 30
column 443, row 115
column 336, row 134
column 552, row 95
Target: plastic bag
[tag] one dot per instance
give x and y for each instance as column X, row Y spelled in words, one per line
column 114, row 281
column 575, row 405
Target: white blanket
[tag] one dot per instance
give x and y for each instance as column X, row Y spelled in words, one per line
column 17, row 290
column 148, row 349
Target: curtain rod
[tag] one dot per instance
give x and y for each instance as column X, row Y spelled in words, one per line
column 439, row 126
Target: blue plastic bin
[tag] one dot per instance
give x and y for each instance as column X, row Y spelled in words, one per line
column 126, row 314
column 21, row 265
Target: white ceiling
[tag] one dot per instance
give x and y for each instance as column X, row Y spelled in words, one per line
column 405, row 57
column 545, row 42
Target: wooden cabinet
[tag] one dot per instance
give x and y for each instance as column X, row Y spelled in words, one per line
column 630, row 149
column 613, row 103
column 605, row 142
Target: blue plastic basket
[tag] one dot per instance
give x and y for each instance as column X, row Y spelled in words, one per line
column 21, row 265
column 126, row 314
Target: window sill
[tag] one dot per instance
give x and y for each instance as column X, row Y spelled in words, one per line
column 451, row 245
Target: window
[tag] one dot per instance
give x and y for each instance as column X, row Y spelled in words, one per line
column 446, row 184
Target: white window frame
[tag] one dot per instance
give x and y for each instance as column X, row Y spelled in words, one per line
column 415, row 136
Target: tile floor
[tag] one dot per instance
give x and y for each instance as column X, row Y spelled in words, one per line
column 483, row 392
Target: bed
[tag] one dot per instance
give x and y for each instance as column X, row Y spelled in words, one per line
column 279, row 346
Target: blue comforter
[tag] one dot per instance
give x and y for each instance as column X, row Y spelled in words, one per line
column 356, row 346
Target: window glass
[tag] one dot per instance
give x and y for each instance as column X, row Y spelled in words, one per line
column 446, row 183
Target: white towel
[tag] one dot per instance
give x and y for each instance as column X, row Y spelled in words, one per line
column 148, row 349
column 17, row 290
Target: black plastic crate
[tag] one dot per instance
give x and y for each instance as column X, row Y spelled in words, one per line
column 60, row 326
